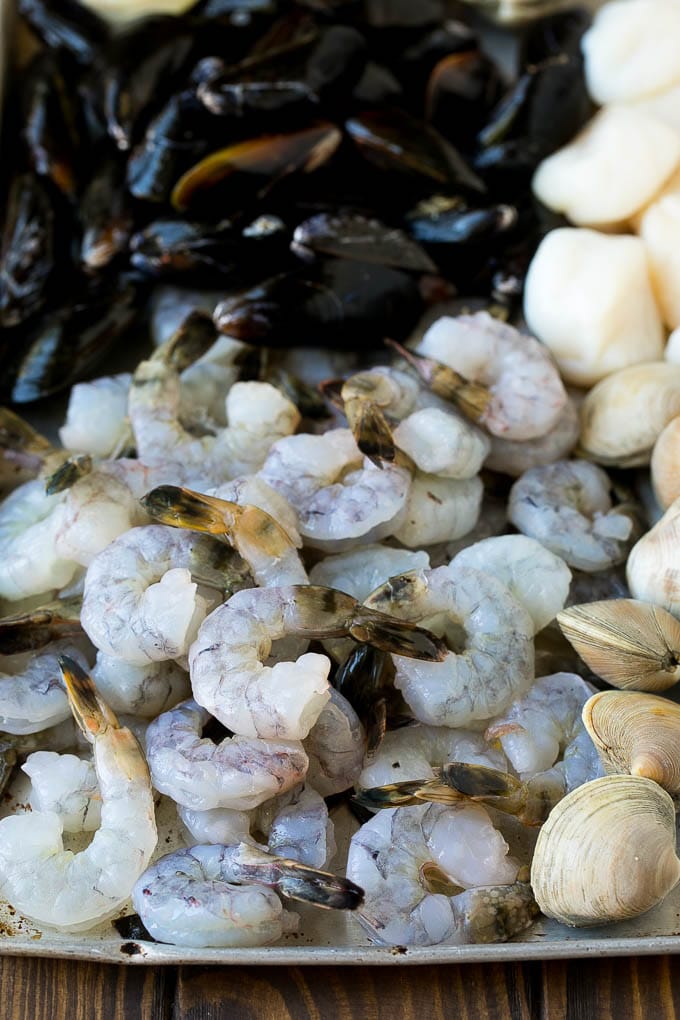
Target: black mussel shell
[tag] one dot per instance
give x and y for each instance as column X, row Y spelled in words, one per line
column 51, row 123
column 65, row 345
column 395, row 141
column 376, row 86
column 146, row 64
column 555, row 34
column 238, row 173
column 68, row 25
column 404, row 13
column 179, row 135
column 352, row 236
column 461, row 91
column 345, row 304
column 105, row 215
column 27, row 257
column 546, row 108
column 450, row 221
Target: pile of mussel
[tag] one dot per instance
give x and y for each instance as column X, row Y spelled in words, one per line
column 329, row 166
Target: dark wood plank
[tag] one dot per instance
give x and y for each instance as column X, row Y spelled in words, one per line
column 41, row 989
column 492, row 992
column 642, row 988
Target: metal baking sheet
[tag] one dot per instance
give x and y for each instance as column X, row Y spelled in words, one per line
column 323, row 937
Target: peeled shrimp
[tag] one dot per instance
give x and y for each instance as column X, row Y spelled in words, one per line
column 229, row 676
column 544, row 726
column 70, row 891
column 32, row 695
column 514, row 457
column 224, row 908
column 29, row 562
column 439, row 509
column 258, row 415
column 67, row 786
column 537, row 578
column 437, row 874
column 96, row 416
column 257, row 536
column 296, row 825
column 238, row 773
column 360, row 571
column 141, row 602
column 140, row 690
column 335, row 747
column 491, row 632
column 566, row 506
column 341, row 498
column 413, row 752
column 526, row 396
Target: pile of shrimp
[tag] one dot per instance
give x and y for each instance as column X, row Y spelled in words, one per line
column 264, row 618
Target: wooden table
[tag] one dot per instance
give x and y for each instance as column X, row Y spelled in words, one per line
column 615, row 989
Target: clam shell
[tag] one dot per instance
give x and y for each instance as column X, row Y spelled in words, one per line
column 606, row 852
column 637, row 734
column 631, row 645
column 653, row 568
column 666, row 465
column 624, row 414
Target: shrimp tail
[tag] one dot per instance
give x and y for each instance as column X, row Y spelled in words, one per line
column 298, row 881
column 192, row 339
column 28, row 631
column 471, row 398
column 496, row 913
column 492, row 788
column 90, row 710
column 67, row 474
column 410, row 793
column 396, row 636
column 184, row 508
column 248, row 528
column 371, row 431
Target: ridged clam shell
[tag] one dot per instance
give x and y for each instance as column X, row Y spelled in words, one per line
column 653, row 568
column 606, row 852
column 637, row 734
column 632, row 645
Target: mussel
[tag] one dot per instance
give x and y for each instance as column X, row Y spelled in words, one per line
column 106, row 216
column 345, row 304
column 51, row 128
column 27, row 257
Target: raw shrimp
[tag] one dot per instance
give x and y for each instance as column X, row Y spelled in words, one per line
column 567, row 507
column 238, row 773
column 544, row 726
column 205, row 384
column 436, row 874
column 140, row 690
column 141, row 602
column 537, row 578
column 32, row 695
column 525, row 393
column 491, row 632
column 227, row 661
column 335, row 747
column 96, row 416
column 341, row 498
column 441, row 443
column 67, row 786
column 204, row 897
column 439, row 509
column 360, row 571
column 29, row 562
column 414, row 751
column 514, row 457
column 258, row 415
column 257, row 536
column 70, row 891
column 295, row 824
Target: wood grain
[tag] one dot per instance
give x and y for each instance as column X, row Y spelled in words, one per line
column 37, row 989
column 616, row 989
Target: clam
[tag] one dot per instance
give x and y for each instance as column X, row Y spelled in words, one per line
column 623, row 416
column 631, row 645
column 665, row 464
column 636, row 734
column 606, row 852
column 653, row 568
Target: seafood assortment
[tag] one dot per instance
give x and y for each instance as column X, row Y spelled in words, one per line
column 350, row 538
